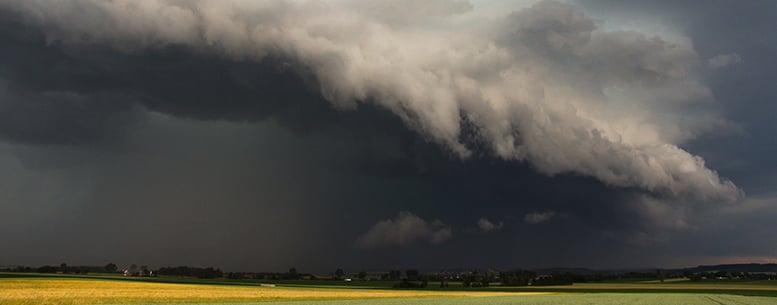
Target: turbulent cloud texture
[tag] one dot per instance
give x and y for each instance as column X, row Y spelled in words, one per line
column 544, row 84
column 403, row 230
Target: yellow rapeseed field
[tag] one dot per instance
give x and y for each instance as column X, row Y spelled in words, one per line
column 59, row 291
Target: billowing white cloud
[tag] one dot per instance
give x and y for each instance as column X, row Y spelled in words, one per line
column 397, row 12
column 723, row 60
column 543, row 85
column 403, row 230
column 488, row 226
column 538, row 217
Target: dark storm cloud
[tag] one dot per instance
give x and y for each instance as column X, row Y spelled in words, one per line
column 557, row 131
column 31, row 113
column 732, row 37
column 551, row 62
column 63, row 117
column 99, row 83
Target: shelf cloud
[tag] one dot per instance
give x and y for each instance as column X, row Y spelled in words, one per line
column 614, row 128
column 543, row 85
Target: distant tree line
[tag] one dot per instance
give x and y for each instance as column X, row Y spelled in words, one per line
column 517, row 277
column 203, row 273
column 728, row 275
column 292, row 274
column 392, row 275
column 64, row 269
column 413, row 278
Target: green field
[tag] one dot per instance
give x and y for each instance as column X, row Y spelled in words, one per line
column 34, row 289
column 573, row 299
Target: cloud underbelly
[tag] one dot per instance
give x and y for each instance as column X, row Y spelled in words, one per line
column 542, row 85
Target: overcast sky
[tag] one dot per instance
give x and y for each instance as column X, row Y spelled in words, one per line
column 370, row 135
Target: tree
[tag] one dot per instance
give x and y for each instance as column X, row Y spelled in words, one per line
column 362, row 275
column 339, row 273
column 63, row 268
column 48, row 269
column 443, row 282
column 81, row 270
column 411, row 274
column 110, row 267
column 517, row 277
column 395, row 274
column 292, row 274
column 490, row 275
column 660, row 275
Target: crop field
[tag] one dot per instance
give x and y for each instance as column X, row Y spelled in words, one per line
column 20, row 290
column 571, row 299
column 54, row 291
column 749, row 288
